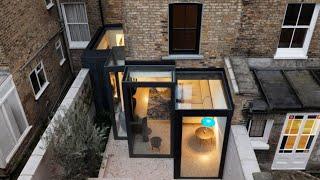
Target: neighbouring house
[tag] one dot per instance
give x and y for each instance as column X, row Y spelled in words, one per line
column 176, row 75
column 35, row 72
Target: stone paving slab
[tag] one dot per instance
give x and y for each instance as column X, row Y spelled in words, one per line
column 120, row 166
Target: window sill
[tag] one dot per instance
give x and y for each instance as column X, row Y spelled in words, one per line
column 16, row 147
column 182, row 56
column 62, row 61
column 78, row 45
column 38, row 95
column 259, row 145
column 290, row 57
column 49, row 6
column 290, row 53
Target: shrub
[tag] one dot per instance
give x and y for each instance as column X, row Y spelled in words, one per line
column 75, row 144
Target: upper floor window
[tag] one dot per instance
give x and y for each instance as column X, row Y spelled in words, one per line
column 184, row 28
column 38, row 79
column 77, row 27
column 297, row 29
column 13, row 122
column 49, row 4
column 60, row 52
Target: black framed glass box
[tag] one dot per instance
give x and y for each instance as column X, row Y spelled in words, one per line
column 203, row 119
column 162, row 111
column 148, row 92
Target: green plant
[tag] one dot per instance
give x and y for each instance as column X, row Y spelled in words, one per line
column 75, row 144
column 102, row 121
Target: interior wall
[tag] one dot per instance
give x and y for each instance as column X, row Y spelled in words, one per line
column 109, row 39
column 220, row 129
column 218, row 97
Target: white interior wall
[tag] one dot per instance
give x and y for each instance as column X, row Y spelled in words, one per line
column 109, row 39
column 218, row 98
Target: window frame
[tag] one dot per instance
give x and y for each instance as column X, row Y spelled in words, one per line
column 59, row 49
column 18, row 141
column 198, row 30
column 45, row 85
column 264, row 127
column 298, row 53
column 49, row 5
column 75, row 44
column 261, row 143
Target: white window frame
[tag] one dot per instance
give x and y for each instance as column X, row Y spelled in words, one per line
column 49, row 5
column 8, row 83
column 59, row 49
column 261, row 143
column 287, row 161
column 298, row 53
column 75, row 44
column 42, row 88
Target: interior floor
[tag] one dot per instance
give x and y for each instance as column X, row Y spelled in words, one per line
column 198, row 159
column 158, row 128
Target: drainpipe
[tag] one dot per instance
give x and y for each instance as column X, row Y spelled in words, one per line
column 101, row 12
column 61, row 21
column 233, row 80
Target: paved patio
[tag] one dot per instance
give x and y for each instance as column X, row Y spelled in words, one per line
column 118, row 165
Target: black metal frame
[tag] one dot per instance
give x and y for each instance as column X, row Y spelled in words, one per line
column 99, row 35
column 180, row 113
column 127, row 85
column 198, row 28
column 114, row 69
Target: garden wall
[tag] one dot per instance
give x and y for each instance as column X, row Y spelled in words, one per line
column 241, row 161
column 37, row 167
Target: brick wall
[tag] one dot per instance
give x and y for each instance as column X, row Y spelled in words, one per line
column 28, row 35
column 260, row 29
column 113, row 11
column 265, row 157
column 94, row 20
column 146, row 27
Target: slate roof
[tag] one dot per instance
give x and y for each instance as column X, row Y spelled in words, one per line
column 244, row 76
column 289, row 89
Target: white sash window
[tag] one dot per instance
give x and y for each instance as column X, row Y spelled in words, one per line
column 13, row 122
column 297, row 30
column 76, row 22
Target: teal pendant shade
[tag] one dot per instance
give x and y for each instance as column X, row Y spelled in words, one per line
column 208, row 122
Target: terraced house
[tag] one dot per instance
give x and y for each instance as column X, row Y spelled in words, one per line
column 203, row 88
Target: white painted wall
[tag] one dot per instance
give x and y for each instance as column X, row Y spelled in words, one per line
column 217, row 95
column 240, row 160
column 220, row 129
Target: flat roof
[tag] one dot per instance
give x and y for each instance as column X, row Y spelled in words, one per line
column 289, row 89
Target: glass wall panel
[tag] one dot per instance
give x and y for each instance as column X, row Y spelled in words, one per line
column 201, row 146
column 116, row 84
column 111, row 38
column 200, row 94
column 151, row 123
column 154, row 76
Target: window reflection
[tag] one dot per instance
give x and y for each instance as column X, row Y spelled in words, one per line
column 116, row 84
